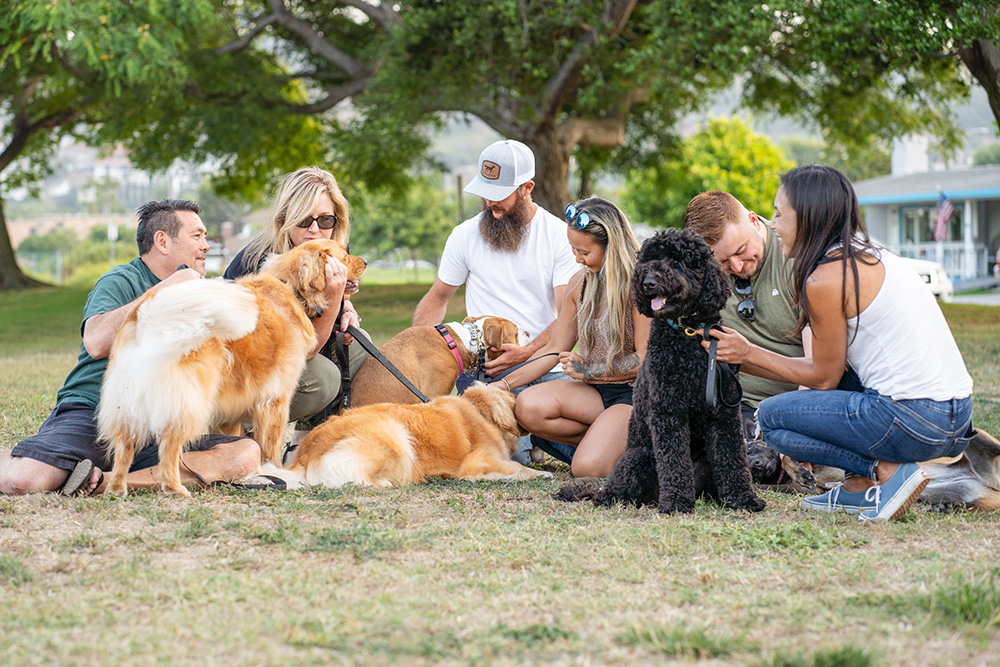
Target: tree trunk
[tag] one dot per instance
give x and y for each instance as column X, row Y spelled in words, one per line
column 11, row 276
column 551, row 170
column 983, row 60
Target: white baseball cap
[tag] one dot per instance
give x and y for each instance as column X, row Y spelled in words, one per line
column 504, row 166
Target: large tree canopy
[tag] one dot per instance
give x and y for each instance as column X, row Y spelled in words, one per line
column 136, row 73
column 259, row 84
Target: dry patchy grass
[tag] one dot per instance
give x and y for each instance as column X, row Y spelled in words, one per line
column 459, row 573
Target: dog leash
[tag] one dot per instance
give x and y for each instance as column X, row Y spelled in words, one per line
column 372, row 350
column 714, row 379
column 497, row 378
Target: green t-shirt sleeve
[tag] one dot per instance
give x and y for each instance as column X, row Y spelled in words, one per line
column 113, row 290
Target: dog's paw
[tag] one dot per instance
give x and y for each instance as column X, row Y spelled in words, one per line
column 751, row 504
column 949, row 507
column 582, row 488
column 680, row 506
column 178, row 490
column 798, row 472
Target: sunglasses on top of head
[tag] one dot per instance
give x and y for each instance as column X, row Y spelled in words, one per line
column 323, row 221
column 577, row 218
column 745, row 308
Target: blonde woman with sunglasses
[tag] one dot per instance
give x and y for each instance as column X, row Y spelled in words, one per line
column 583, row 420
column 309, row 205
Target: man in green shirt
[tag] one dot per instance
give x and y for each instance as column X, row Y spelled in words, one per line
column 172, row 248
column 761, row 306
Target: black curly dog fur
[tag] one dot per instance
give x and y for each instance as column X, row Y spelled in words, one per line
column 677, row 447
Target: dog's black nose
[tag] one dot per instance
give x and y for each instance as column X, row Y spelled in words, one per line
column 649, row 284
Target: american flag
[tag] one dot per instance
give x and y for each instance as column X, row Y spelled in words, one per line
column 944, row 211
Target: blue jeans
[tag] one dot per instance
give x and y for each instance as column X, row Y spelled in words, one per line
column 854, row 430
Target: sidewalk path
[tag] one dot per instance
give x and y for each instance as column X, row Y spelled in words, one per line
column 988, row 299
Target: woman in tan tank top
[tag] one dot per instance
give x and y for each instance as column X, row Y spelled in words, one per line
column 583, row 419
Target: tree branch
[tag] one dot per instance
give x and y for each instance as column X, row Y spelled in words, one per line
column 334, row 96
column 983, row 60
column 563, row 84
column 606, row 132
column 23, row 130
column 315, row 42
column 382, row 14
column 241, row 44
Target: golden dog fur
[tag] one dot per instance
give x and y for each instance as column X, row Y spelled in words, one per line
column 423, row 357
column 470, row 437
column 207, row 355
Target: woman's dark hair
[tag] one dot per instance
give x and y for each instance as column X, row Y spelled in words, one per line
column 827, row 215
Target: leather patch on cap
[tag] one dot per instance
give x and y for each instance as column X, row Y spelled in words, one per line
column 490, row 170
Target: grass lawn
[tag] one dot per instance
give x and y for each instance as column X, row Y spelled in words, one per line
column 459, row 573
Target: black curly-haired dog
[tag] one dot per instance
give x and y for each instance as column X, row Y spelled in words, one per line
column 678, row 447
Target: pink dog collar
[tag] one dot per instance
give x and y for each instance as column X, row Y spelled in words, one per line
column 452, row 345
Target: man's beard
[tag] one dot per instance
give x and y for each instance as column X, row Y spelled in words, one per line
column 506, row 233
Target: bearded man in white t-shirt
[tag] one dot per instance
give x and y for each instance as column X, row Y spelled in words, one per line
column 514, row 257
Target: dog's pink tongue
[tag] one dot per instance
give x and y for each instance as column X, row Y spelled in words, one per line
column 657, row 303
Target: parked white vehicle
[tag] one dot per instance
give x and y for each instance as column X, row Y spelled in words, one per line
column 932, row 273
column 934, row 276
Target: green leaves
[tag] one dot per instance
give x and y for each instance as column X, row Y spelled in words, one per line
column 724, row 155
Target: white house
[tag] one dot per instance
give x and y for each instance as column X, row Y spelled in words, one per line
column 901, row 211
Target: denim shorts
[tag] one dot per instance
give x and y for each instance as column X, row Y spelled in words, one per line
column 614, row 394
column 69, row 435
column 854, row 430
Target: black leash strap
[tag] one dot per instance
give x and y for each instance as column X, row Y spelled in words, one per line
column 344, row 363
column 716, row 369
column 372, row 350
column 497, row 378
column 332, row 351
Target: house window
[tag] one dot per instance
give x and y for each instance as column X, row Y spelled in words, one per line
column 917, row 224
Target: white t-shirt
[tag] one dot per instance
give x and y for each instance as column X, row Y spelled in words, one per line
column 904, row 348
column 518, row 286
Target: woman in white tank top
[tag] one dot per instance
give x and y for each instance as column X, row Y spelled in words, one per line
column 872, row 315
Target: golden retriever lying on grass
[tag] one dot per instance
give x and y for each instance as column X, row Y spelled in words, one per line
column 207, row 355
column 469, row 437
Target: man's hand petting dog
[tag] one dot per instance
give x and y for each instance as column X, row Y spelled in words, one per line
column 510, row 355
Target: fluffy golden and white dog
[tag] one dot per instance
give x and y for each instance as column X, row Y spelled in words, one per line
column 469, row 437
column 208, row 355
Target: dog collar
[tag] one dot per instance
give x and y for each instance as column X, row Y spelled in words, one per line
column 690, row 332
column 452, row 345
column 476, row 347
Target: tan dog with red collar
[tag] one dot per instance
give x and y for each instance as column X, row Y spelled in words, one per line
column 426, row 358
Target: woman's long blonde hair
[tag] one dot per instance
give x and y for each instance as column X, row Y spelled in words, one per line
column 293, row 202
column 611, row 230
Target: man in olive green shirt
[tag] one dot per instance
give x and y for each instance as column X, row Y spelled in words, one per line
column 172, row 247
column 761, row 306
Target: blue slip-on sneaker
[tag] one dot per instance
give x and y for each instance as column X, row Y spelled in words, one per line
column 835, row 500
column 891, row 499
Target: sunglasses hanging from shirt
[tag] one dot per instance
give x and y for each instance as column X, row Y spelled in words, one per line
column 745, row 308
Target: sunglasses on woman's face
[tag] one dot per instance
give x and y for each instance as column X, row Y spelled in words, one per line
column 324, row 221
column 745, row 308
column 576, row 218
